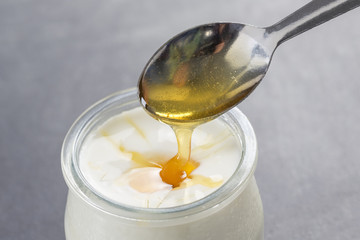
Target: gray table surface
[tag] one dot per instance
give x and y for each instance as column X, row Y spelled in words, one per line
column 59, row 57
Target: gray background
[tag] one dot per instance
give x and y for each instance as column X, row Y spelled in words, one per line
column 59, row 57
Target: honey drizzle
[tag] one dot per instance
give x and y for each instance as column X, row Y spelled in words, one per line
column 181, row 161
column 202, row 180
column 178, row 168
column 136, row 157
column 136, row 127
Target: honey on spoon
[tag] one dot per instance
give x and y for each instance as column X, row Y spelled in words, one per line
column 205, row 71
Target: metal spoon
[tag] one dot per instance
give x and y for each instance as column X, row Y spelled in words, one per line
column 204, row 71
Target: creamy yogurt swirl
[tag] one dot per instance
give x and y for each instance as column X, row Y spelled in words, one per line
column 122, row 158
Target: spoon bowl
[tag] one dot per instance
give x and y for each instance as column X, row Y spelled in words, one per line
column 203, row 72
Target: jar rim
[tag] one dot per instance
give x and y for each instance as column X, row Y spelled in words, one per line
column 191, row 211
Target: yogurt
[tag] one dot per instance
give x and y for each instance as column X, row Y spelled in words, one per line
column 121, row 160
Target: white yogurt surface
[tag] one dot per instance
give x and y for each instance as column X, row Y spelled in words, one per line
column 106, row 160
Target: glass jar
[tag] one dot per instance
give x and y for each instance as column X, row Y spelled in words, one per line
column 234, row 211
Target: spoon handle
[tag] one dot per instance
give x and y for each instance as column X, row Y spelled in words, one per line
column 311, row 15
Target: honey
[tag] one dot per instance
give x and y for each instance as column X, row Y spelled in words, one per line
column 173, row 171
